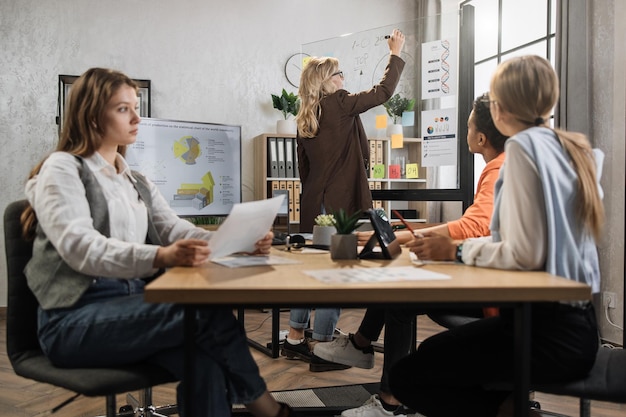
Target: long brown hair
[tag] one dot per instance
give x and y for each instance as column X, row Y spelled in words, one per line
column 83, row 124
column 315, row 84
column 528, row 88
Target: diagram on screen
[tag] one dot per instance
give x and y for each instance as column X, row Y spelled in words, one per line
column 197, row 196
column 196, row 166
column 187, row 149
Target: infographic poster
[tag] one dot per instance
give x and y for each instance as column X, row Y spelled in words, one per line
column 439, row 69
column 196, row 166
column 439, row 133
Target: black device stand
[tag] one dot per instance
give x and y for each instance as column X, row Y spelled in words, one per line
column 383, row 236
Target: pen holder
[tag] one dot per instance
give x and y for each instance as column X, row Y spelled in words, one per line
column 343, row 246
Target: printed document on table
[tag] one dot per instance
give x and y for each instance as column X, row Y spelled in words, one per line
column 246, row 224
column 384, row 274
column 238, row 261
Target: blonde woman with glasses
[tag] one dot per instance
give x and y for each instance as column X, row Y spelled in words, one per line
column 333, row 151
column 333, row 155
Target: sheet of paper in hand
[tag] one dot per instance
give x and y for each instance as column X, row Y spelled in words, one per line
column 246, row 224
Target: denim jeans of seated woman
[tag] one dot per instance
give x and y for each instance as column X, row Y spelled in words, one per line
column 323, row 325
column 113, row 325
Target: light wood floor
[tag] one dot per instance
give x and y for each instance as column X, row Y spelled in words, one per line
column 23, row 398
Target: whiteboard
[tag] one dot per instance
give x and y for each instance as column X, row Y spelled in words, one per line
column 364, row 55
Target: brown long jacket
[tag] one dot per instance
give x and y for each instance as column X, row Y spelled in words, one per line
column 333, row 164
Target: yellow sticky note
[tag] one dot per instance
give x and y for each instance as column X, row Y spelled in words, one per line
column 305, row 61
column 397, row 141
column 379, row 171
column 411, row 171
column 381, row 121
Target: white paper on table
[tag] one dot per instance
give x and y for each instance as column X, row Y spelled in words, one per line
column 383, row 274
column 246, row 224
column 238, row 261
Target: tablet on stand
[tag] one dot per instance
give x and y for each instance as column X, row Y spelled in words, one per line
column 383, row 236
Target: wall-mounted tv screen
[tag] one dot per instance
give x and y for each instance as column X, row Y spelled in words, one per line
column 196, row 166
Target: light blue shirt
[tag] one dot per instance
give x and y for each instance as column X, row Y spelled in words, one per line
column 534, row 226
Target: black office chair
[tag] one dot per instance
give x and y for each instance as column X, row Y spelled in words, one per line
column 606, row 380
column 29, row 361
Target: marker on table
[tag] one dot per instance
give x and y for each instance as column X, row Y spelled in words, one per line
column 406, row 224
column 387, row 36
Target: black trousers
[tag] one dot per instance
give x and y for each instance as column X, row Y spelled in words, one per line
column 451, row 373
column 399, row 333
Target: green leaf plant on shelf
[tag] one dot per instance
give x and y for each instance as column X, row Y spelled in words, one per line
column 397, row 105
column 287, row 104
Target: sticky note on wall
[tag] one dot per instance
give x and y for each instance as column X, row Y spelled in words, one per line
column 379, row 171
column 394, row 171
column 408, row 118
column 412, row 171
column 381, row 121
column 397, row 141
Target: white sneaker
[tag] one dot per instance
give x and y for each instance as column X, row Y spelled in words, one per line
column 373, row 408
column 342, row 350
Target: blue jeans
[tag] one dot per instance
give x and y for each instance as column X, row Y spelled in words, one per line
column 324, row 325
column 113, row 325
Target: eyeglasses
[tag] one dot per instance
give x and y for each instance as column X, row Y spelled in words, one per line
column 339, row 73
column 485, row 100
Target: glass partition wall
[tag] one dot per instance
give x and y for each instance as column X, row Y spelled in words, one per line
column 418, row 156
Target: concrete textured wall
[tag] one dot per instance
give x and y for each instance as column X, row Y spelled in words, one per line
column 608, row 126
column 207, row 60
column 219, row 62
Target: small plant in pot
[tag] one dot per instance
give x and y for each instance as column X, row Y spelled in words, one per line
column 287, row 104
column 323, row 229
column 343, row 244
column 395, row 106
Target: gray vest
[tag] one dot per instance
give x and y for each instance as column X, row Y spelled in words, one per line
column 54, row 283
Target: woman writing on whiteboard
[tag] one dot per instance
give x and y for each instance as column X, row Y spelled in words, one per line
column 100, row 232
column 333, row 151
column 333, row 154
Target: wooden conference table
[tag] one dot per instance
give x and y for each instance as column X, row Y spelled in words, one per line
column 289, row 286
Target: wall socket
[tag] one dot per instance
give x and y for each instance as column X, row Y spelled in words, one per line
column 609, row 299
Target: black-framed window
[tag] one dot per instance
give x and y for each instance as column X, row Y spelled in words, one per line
column 505, row 29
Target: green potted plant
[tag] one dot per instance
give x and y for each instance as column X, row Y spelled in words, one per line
column 343, row 244
column 323, row 229
column 287, row 104
column 395, row 106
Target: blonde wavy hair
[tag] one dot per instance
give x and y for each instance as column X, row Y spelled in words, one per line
column 528, row 88
column 315, row 84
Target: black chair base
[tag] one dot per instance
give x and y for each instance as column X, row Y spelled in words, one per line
column 23, row 348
